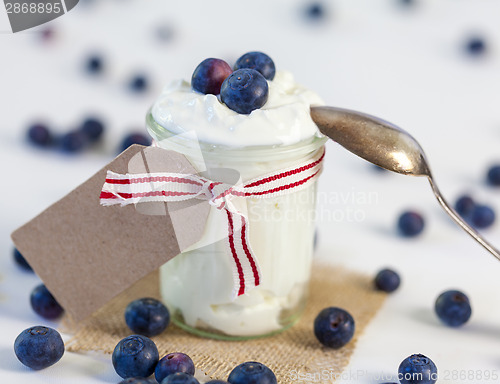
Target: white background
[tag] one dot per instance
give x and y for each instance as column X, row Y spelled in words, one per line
column 404, row 64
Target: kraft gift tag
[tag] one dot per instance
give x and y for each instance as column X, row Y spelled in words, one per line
column 86, row 254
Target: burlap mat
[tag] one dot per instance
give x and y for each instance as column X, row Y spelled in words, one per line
column 290, row 354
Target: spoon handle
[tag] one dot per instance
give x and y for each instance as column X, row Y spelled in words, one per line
column 467, row 228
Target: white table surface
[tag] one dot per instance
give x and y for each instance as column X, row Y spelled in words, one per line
column 403, row 64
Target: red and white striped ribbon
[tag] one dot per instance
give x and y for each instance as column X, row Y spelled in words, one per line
column 171, row 187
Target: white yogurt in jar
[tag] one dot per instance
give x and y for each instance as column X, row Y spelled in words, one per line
column 199, row 283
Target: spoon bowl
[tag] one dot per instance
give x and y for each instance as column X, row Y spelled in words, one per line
column 373, row 139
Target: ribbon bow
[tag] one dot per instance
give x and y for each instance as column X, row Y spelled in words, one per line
column 127, row 189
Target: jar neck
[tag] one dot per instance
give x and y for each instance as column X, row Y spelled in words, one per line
column 188, row 145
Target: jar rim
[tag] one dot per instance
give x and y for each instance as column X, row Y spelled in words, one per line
column 158, row 132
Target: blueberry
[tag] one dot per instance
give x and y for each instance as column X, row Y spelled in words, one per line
column 493, row 176
column 137, row 380
column 209, row 74
column 44, row 304
column 39, row 135
column 334, row 327
column 135, row 356
column 252, row 372
column 39, row 347
column 47, row 34
column 94, row 64
column 453, row 308
column 135, row 138
column 164, row 32
column 180, row 378
column 244, row 90
column 417, row 369
column 73, row 142
column 258, row 61
column 475, row 46
column 315, row 11
column 482, row 216
column 387, row 280
column 21, row 261
column 138, row 83
column 378, row 168
column 216, row 382
column 173, row 363
column 464, row 205
column 406, row 2
column 147, row 316
column 410, row 224
column 92, row 128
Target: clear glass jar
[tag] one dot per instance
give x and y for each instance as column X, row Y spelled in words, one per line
column 197, row 284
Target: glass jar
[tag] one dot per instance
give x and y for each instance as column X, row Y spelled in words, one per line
column 197, row 285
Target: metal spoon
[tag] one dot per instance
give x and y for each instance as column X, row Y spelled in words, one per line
column 387, row 146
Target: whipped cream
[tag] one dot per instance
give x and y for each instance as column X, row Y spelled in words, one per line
column 283, row 120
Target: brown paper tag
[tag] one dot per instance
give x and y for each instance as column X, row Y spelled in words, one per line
column 86, row 254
